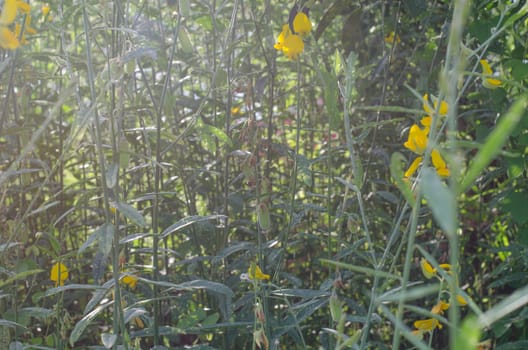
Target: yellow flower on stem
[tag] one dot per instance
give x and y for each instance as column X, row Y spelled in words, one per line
column 8, row 39
column 439, row 163
column 461, row 300
column 255, row 273
column 440, row 307
column 293, row 46
column 442, row 110
column 427, row 325
column 427, row 270
column 413, row 167
column 488, row 81
column 389, row 39
column 417, row 140
column 282, row 37
column 302, row 24
column 130, row 281
column 59, row 274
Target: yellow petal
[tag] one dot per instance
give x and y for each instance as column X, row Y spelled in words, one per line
column 427, row 269
column 293, row 46
column 8, row 39
column 301, row 24
column 8, row 12
column 427, row 325
column 441, row 168
column 130, row 281
column 255, row 273
column 417, row 139
column 24, row 7
column 461, row 300
column 489, row 82
column 59, row 273
column 413, row 167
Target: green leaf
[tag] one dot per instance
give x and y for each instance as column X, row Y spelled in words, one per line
column 189, row 220
column 18, row 276
column 108, row 339
column 329, row 82
column 360, row 269
column 494, row 142
column 397, row 173
column 440, row 199
column 264, row 218
column 467, row 337
column 131, row 213
column 80, row 326
column 105, row 236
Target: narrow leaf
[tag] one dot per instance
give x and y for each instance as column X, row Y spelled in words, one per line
column 440, row 199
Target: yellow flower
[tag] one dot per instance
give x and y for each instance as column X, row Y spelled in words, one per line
column 302, row 24
column 130, row 281
column 45, row 10
column 440, row 165
column 59, row 274
column 427, row 325
column 428, row 271
column 440, row 307
column 442, row 110
column 389, row 39
column 255, row 273
column 282, row 37
column 417, row 140
column 488, row 82
column 293, row 46
column 8, row 39
column 461, row 300
column 413, row 167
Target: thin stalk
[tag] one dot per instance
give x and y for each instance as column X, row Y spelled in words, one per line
column 101, row 160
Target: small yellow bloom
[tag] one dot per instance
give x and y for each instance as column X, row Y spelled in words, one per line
column 389, row 39
column 282, row 37
column 428, row 271
column 130, row 281
column 413, row 167
column 442, row 110
column 417, row 140
column 45, row 10
column 255, row 273
column 8, row 12
column 293, row 46
column 488, row 82
column 461, row 300
column 59, row 274
column 440, row 307
column 8, row 39
column 427, row 325
column 426, row 121
column 441, row 169
column 302, row 24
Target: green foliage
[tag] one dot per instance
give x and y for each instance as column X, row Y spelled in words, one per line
column 161, row 151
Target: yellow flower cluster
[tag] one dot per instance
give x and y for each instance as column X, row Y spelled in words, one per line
column 59, row 273
column 489, row 81
column 8, row 39
column 430, row 324
column 291, row 43
column 418, row 136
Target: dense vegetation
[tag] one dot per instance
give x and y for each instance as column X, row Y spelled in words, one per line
column 260, row 174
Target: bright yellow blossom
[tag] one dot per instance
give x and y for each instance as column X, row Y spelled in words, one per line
column 417, row 140
column 440, row 307
column 488, row 82
column 461, row 300
column 427, row 325
column 130, row 281
column 439, row 163
column 59, row 274
column 389, row 39
column 282, row 37
column 8, row 39
column 301, row 24
column 255, row 273
column 413, row 167
column 293, row 46
column 427, row 269
column 442, row 110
